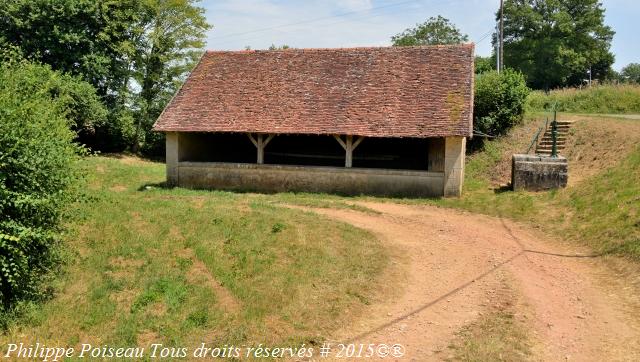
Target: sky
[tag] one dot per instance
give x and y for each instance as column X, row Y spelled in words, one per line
column 350, row 23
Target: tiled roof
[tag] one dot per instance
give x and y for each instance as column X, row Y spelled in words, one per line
column 375, row 92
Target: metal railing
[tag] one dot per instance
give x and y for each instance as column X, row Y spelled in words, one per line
column 543, row 130
column 536, row 138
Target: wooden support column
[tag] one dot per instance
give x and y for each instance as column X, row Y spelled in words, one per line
column 349, row 146
column 260, row 142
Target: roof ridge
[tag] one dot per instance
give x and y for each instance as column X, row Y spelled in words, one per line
column 390, row 48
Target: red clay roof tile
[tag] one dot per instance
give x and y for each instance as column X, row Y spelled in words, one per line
column 374, row 92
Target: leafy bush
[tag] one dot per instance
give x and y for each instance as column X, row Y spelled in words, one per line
column 617, row 99
column 499, row 101
column 38, row 174
column 89, row 117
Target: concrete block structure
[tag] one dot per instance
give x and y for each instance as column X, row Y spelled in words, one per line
column 536, row 172
column 380, row 121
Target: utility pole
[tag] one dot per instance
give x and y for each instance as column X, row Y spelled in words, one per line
column 498, row 47
column 501, row 35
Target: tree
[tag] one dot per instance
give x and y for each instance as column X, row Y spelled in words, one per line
column 282, row 47
column 93, row 40
column 434, row 31
column 555, row 43
column 169, row 44
column 90, row 39
column 484, row 64
column 631, row 73
column 38, row 176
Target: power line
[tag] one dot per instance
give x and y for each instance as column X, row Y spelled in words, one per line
column 313, row 20
column 227, row 36
column 484, row 36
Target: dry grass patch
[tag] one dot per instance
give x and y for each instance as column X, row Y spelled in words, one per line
column 199, row 266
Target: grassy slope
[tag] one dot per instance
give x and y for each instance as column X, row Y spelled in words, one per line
column 600, row 208
column 146, row 257
column 598, row 99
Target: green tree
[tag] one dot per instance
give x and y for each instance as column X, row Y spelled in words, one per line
column 484, row 64
column 38, row 176
column 91, row 39
column 282, row 47
column 169, row 44
column 631, row 73
column 556, row 42
column 434, row 31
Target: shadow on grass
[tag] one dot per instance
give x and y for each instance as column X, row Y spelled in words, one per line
column 314, row 195
column 155, row 185
column 502, row 189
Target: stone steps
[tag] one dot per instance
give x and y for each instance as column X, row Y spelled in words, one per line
column 545, row 144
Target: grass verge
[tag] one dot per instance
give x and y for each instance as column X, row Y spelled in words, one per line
column 180, row 267
column 604, row 99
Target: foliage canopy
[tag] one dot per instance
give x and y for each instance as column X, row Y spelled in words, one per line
column 435, row 31
column 631, row 73
column 499, row 101
column 38, row 174
column 135, row 53
column 555, row 43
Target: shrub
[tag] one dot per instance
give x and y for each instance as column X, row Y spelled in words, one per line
column 38, row 175
column 499, row 101
column 617, row 99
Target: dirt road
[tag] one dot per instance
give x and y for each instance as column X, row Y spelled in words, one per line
column 452, row 267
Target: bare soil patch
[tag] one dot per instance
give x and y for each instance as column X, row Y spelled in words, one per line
column 200, row 274
column 461, row 266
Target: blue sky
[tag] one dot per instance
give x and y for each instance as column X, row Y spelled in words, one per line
column 349, row 23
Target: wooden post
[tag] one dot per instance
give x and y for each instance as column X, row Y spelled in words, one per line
column 349, row 146
column 348, row 162
column 260, row 144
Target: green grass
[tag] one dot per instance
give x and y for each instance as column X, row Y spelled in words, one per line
column 494, row 337
column 601, row 211
column 605, row 210
column 143, row 260
column 605, row 99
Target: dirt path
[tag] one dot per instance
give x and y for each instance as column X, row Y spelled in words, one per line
column 457, row 265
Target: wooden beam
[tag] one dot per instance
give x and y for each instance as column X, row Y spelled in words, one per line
column 253, row 140
column 260, row 149
column 349, row 146
column 260, row 143
column 357, row 142
column 269, row 138
column 340, row 141
column 348, row 161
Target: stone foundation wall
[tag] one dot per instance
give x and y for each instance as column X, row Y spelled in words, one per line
column 277, row 178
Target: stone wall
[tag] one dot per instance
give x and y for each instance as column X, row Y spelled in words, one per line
column 278, row 178
column 535, row 172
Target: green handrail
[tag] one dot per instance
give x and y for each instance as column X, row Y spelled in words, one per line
column 536, row 138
